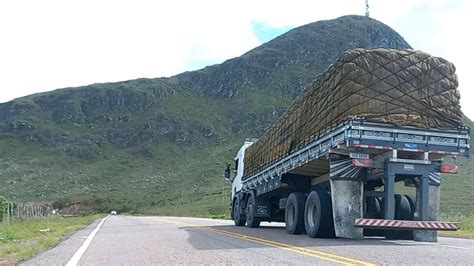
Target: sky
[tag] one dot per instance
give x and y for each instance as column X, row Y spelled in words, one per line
column 51, row 44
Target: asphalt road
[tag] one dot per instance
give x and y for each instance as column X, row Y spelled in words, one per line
column 128, row 240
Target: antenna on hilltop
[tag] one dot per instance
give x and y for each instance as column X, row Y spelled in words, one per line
column 366, row 8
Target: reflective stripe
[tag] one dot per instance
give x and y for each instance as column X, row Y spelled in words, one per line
column 434, row 225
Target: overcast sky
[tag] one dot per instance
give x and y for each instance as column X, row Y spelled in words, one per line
column 45, row 45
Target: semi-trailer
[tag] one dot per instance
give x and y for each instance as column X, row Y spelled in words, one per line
column 374, row 120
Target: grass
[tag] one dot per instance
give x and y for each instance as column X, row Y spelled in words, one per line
column 23, row 239
column 467, row 225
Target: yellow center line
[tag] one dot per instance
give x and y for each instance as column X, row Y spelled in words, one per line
column 301, row 250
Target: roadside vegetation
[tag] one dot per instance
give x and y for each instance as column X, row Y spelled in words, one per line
column 467, row 225
column 23, row 239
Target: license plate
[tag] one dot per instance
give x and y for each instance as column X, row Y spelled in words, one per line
column 409, row 167
column 359, row 155
column 411, row 145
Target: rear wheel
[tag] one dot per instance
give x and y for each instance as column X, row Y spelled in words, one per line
column 237, row 215
column 372, row 205
column 252, row 221
column 294, row 213
column 373, row 210
column 412, row 201
column 403, row 211
column 318, row 220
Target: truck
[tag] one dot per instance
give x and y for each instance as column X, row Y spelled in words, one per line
column 331, row 171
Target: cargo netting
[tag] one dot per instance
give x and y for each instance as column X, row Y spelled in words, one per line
column 401, row 87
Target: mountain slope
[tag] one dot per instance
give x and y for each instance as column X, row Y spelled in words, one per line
column 159, row 145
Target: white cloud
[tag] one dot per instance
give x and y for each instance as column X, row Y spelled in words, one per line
column 52, row 43
column 440, row 28
column 455, row 40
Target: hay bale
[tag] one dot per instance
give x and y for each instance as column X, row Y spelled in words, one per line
column 402, row 87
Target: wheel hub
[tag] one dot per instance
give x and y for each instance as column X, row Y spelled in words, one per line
column 291, row 215
column 312, row 215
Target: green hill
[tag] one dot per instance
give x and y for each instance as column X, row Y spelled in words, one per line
column 160, row 145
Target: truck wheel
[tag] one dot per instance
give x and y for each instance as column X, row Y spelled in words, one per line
column 294, row 213
column 252, row 221
column 381, row 212
column 372, row 207
column 412, row 201
column 237, row 215
column 402, row 212
column 318, row 220
column 373, row 211
column 402, row 208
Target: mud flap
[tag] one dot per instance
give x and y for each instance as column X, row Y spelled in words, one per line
column 347, row 204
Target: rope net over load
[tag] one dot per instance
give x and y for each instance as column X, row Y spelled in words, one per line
column 402, row 87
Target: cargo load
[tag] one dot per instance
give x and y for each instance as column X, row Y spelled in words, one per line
column 399, row 87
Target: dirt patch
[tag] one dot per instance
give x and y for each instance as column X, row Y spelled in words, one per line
column 8, row 260
column 77, row 208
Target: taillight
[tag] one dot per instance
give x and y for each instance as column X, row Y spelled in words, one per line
column 363, row 162
column 449, row 168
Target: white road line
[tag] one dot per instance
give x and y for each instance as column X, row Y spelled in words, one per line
column 424, row 243
column 77, row 256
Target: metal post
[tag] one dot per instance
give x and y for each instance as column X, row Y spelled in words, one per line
column 389, row 193
column 424, row 186
column 7, row 212
column 10, row 213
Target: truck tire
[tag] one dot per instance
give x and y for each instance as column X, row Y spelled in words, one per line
column 372, row 205
column 381, row 213
column 237, row 215
column 252, row 221
column 403, row 211
column 412, row 201
column 404, row 207
column 374, row 211
column 318, row 221
column 294, row 213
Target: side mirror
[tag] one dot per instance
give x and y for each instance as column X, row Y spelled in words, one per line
column 229, row 174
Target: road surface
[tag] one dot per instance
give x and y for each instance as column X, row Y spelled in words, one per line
column 133, row 240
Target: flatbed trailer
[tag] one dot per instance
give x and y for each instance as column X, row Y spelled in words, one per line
column 342, row 182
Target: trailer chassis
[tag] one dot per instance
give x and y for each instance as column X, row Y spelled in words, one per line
column 358, row 152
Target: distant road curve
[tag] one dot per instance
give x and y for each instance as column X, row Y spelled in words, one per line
column 152, row 240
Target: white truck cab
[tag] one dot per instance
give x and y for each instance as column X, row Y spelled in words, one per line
column 235, row 174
